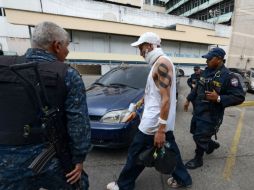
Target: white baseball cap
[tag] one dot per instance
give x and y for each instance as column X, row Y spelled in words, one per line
column 148, row 37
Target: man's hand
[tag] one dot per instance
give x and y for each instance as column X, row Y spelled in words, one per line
column 130, row 117
column 159, row 138
column 211, row 96
column 140, row 103
column 75, row 174
column 186, row 105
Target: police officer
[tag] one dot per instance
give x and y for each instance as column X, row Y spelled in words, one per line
column 20, row 145
column 194, row 78
column 216, row 90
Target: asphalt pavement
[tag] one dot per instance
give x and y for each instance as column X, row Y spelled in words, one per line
column 230, row 167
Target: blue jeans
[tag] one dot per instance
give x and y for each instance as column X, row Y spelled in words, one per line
column 131, row 170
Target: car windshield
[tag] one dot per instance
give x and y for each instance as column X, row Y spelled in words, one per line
column 236, row 70
column 134, row 77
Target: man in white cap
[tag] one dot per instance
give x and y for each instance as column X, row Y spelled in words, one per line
column 158, row 120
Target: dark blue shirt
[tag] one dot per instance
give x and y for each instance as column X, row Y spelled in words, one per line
column 78, row 124
column 194, row 78
column 228, row 87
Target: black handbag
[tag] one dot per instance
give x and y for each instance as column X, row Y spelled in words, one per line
column 163, row 159
column 146, row 157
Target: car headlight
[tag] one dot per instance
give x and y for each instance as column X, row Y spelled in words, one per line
column 115, row 116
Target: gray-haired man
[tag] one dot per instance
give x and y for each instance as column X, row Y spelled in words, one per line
column 66, row 91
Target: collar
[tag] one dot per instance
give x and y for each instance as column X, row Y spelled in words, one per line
column 36, row 54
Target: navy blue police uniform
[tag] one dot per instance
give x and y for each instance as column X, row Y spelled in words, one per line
column 194, row 78
column 66, row 90
column 208, row 116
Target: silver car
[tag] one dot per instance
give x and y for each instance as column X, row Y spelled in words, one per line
column 250, row 79
column 242, row 82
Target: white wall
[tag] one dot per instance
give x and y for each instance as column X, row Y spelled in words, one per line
column 97, row 42
column 241, row 51
column 121, row 44
column 31, row 5
column 191, row 49
column 3, row 44
column 106, row 11
column 183, row 49
column 18, row 45
column 11, row 30
column 14, row 38
column 109, row 43
column 102, row 43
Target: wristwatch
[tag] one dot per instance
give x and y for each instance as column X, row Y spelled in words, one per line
column 218, row 99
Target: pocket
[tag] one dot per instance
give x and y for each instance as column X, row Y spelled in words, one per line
column 49, row 78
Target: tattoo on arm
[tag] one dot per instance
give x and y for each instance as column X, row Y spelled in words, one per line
column 164, row 78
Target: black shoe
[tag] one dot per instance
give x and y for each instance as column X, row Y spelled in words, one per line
column 211, row 148
column 194, row 163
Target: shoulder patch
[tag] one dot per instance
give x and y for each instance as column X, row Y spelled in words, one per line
column 234, row 82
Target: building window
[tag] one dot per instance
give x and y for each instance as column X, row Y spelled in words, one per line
column 70, row 34
column 159, row 3
column 2, row 11
column 147, row 1
column 231, row 8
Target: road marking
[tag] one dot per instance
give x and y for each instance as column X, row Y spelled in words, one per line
column 246, row 103
column 230, row 162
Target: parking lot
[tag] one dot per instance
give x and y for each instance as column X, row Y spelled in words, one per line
column 228, row 168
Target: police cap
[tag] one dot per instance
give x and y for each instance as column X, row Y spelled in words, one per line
column 215, row 52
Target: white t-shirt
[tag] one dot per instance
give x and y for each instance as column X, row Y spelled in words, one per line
column 149, row 122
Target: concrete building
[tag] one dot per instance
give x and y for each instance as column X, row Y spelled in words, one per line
column 213, row 11
column 154, row 5
column 127, row 3
column 241, row 49
column 101, row 32
column 151, row 5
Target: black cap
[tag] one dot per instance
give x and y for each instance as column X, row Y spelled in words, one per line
column 215, row 52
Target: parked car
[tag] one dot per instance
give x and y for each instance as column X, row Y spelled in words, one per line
column 243, row 77
column 108, row 101
column 242, row 82
column 250, row 79
column 237, row 70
